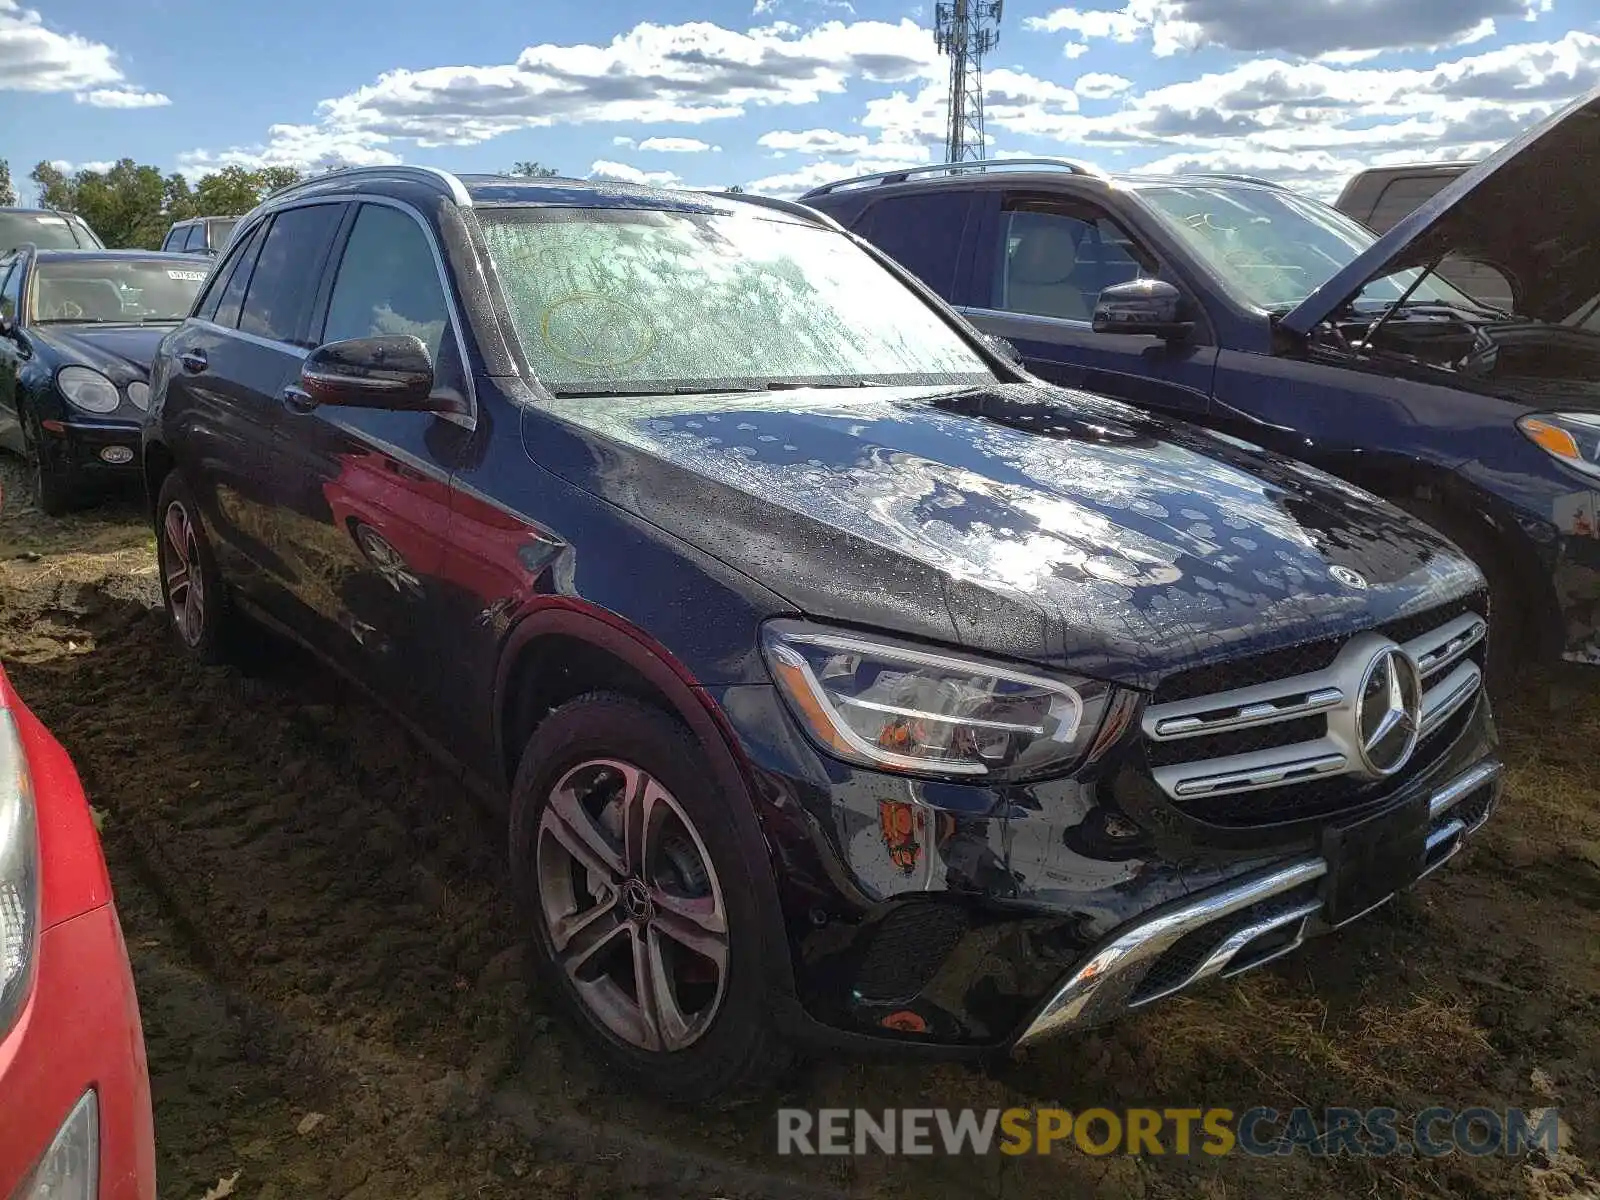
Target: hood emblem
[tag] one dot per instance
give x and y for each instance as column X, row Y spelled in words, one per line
column 1349, row 578
column 1388, row 712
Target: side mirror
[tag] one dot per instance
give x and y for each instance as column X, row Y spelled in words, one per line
column 390, row 372
column 1004, row 348
column 1152, row 307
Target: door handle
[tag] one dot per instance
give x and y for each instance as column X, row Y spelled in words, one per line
column 194, row 361
column 296, row 399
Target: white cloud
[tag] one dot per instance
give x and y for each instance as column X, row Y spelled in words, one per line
column 122, row 98
column 306, row 147
column 1309, row 28
column 677, row 145
column 604, row 169
column 690, row 73
column 814, row 141
column 624, row 141
column 99, row 167
column 36, row 58
column 1099, row 86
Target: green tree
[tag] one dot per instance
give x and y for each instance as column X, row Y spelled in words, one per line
column 533, row 170
column 55, row 189
column 125, row 205
column 8, row 194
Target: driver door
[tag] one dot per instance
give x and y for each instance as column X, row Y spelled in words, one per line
column 1041, row 264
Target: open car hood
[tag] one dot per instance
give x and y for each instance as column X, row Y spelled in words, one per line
column 1527, row 210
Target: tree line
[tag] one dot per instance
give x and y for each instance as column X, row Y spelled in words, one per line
column 132, row 204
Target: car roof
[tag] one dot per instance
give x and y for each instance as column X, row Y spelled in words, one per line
column 114, row 255
column 1043, row 174
column 471, row 191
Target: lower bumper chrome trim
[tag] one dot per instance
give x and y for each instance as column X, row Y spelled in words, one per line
column 1107, row 983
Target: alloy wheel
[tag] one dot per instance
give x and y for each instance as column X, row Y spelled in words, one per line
column 632, row 905
column 386, row 560
column 182, row 575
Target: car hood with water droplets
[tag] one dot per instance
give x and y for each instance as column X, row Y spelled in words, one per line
column 1029, row 521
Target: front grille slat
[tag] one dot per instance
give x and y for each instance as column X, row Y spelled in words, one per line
column 1272, row 748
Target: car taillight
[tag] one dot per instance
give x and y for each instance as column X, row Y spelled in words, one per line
column 19, row 875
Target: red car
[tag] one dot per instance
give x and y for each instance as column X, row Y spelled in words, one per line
column 75, row 1118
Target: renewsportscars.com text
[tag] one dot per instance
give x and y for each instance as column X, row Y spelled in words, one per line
column 1376, row 1132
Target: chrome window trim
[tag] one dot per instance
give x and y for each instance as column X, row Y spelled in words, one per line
column 469, row 420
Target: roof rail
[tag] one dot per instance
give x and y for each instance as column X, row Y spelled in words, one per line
column 435, row 175
column 955, row 168
column 792, row 207
column 1238, row 177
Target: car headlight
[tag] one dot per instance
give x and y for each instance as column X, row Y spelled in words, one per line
column 88, row 390
column 1574, row 438
column 19, row 875
column 139, row 395
column 70, row 1168
column 894, row 707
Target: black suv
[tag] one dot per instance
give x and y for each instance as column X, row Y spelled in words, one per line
column 1243, row 306
column 200, row 235
column 844, row 683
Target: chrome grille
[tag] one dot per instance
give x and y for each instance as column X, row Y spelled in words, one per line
column 1303, row 730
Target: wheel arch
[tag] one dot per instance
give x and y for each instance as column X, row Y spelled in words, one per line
column 1410, row 483
column 156, row 463
column 557, row 654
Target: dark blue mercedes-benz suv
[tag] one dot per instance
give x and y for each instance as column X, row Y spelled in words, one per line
column 845, row 683
column 1242, row 306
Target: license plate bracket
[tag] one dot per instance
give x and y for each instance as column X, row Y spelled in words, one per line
column 1372, row 858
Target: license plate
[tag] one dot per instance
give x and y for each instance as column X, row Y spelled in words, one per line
column 1371, row 859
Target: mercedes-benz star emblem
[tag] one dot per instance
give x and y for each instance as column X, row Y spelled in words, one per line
column 1349, row 578
column 1388, row 711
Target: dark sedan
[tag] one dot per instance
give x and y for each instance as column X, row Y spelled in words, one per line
column 78, row 330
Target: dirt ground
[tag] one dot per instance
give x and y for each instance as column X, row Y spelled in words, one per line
column 336, row 1004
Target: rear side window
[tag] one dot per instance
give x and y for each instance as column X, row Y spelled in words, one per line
column 923, row 233
column 222, row 278
column 388, row 282
column 232, row 294
column 11, row 287
column 286, row 271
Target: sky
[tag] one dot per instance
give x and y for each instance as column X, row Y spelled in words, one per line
column 778, row 95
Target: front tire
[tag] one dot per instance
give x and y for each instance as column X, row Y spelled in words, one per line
column 643, row 904
column 1508, row 633
column 191, row 586
column 57, row 491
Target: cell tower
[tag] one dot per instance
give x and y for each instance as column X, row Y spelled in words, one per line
column 966, row 30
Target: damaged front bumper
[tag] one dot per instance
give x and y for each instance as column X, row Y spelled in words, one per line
column 1241, row 925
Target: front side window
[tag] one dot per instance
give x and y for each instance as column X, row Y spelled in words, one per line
column 174, row 239
column 286, row 271
column 1272, row 249
column 388, row 282
column 620, row 301
column 113, row 290
column 1054, row 263
column 196, row 239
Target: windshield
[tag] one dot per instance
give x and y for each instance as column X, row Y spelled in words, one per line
column 1274, row 248
column 45, row 230
column 620, row 301
column 119, row 290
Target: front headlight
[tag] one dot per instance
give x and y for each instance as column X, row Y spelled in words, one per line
column 88, row 390
column 70, row 1168
column 1574, row 438
column 139, row 395
column 19, row 875
column 897, row 708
